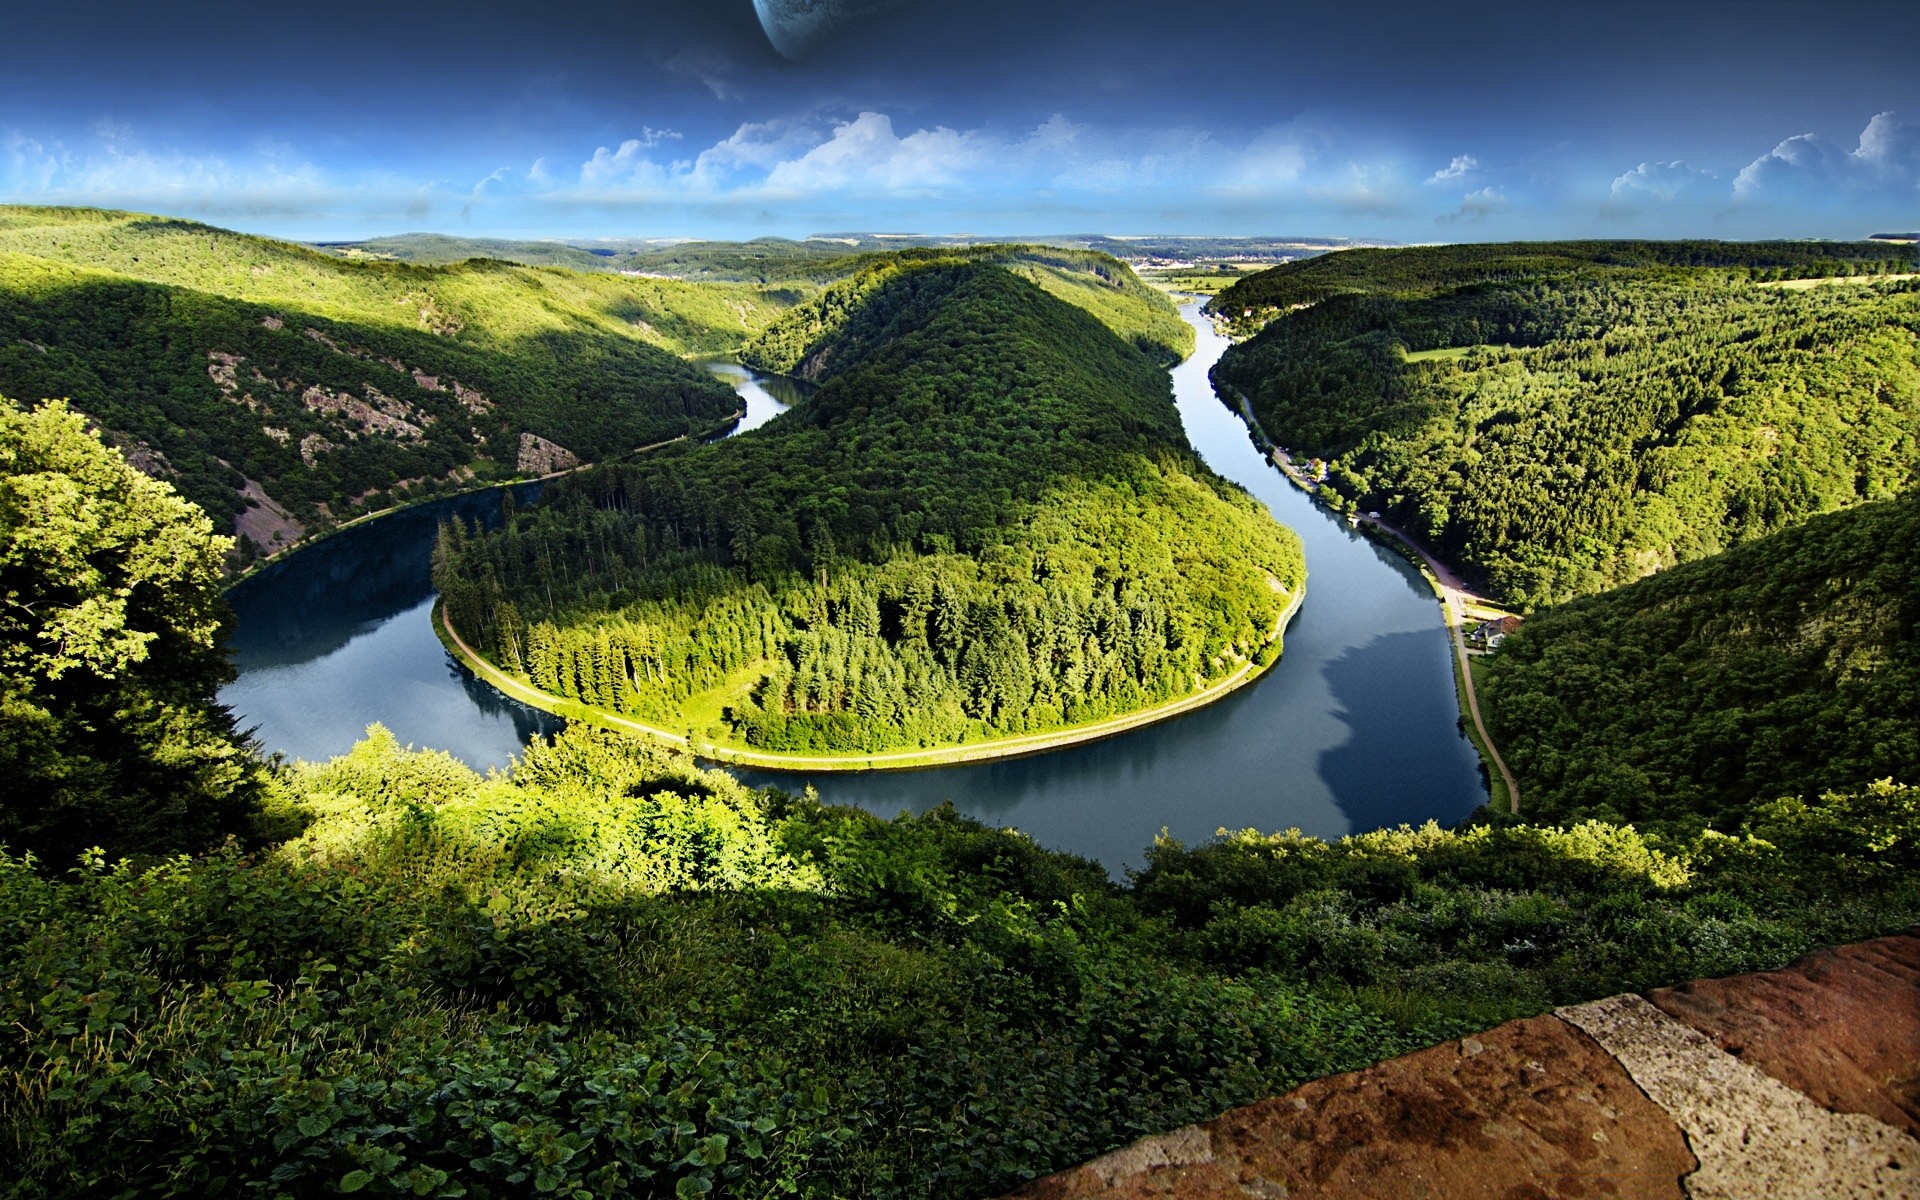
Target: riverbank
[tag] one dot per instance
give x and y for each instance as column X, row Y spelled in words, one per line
column 307, row 542
column 893, row 760
column 1454, row 597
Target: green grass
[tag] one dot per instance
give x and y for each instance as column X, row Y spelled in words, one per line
column 1446, row 355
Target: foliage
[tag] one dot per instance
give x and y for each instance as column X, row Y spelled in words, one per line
column 257, row 374
column 452, row 985
column 856, row 314
column 1493, row 922
column 109, row 614
column 1783, row 667
column 986, row 521
column 1614, row 408
column 612, row 973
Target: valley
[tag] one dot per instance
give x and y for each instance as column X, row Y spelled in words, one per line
column 986, row 516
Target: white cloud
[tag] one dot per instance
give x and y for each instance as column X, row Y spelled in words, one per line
column 496, row 177
column 756, row 146
column 1476, row 206
column 1461, row 166
column 1809, row 167
column 865, row 152
column 628, row 165
column 1662, row 181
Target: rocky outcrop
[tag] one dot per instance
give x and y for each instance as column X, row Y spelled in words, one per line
column 538, row 456
column 1789, row 1084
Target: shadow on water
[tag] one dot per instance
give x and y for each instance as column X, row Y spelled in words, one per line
column 1386, row 772
column 317, row 600
column 1353, row 729
column 339, row 636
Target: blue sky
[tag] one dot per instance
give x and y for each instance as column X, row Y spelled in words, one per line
column 1711, row 118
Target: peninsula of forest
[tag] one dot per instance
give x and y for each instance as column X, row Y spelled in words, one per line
column 984, row 525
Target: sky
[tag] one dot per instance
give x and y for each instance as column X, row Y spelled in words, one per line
column 683, row 118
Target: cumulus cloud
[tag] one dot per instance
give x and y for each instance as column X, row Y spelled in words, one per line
column 627, row 165
column 1809, row 167
column 1461, row 166
column 1662, row 181
column 865, row 152
column 1475, row 206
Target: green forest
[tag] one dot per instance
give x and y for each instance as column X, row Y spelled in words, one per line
column 1562, row 418
column 285, row 391
column 1782, row 667
column 608, row 972
column 985, row 522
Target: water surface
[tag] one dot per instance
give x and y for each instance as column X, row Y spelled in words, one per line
column 1355, row 728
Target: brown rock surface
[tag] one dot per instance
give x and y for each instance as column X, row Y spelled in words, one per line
column 1841, row 1025
column 1530, row 1111
column 1753, row 1135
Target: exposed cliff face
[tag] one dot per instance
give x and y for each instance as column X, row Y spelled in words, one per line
column 1799, row 1082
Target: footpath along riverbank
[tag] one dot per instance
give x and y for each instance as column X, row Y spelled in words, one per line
column 892, row 760
column 1452, row 592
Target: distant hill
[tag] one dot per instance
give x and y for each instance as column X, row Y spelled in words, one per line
column 285, row 390
column 1786, row 667
column 763, row 260
column 1559, row 418
column 1087, row 280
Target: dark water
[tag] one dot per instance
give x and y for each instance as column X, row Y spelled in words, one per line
column 340, row 635
column 1355, row 728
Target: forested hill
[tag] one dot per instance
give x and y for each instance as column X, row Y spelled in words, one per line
column 608, row 972
column 1786, row 667
column 987, row 521
column 858, row 312
column 1559, row 418
column 293, row 389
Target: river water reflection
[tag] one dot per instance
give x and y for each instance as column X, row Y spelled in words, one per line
column 1355, row 728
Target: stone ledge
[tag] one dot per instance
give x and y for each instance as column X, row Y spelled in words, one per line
column 1788, row 1084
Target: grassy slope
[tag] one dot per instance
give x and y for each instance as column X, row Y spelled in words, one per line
column 137, row 319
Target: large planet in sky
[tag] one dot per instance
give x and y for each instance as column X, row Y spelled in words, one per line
column 799, row 27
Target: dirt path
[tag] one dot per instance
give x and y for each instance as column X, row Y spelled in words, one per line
column 1010, row 747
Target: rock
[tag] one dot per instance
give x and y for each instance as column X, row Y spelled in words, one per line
column 1533, row 1109
column 1841, row 1025
column 1754, row 1136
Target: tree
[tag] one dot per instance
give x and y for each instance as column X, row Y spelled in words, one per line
column 110, row 611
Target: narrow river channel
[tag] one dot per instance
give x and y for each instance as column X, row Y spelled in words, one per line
column 1355, row 728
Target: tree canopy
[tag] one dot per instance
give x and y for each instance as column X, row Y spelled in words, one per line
column 110, row 612
column 986, row 521
column 1562, row 418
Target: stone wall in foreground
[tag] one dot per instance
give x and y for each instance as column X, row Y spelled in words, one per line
column 1796, row 1084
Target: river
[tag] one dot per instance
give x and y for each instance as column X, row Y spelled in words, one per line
column 1355, row 728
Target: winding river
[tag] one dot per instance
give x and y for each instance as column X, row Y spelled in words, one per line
column 1355, row 728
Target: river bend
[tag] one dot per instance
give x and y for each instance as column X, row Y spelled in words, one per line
column 1355, row 728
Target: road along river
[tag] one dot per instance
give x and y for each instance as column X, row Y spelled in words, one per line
column 1355, row 728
